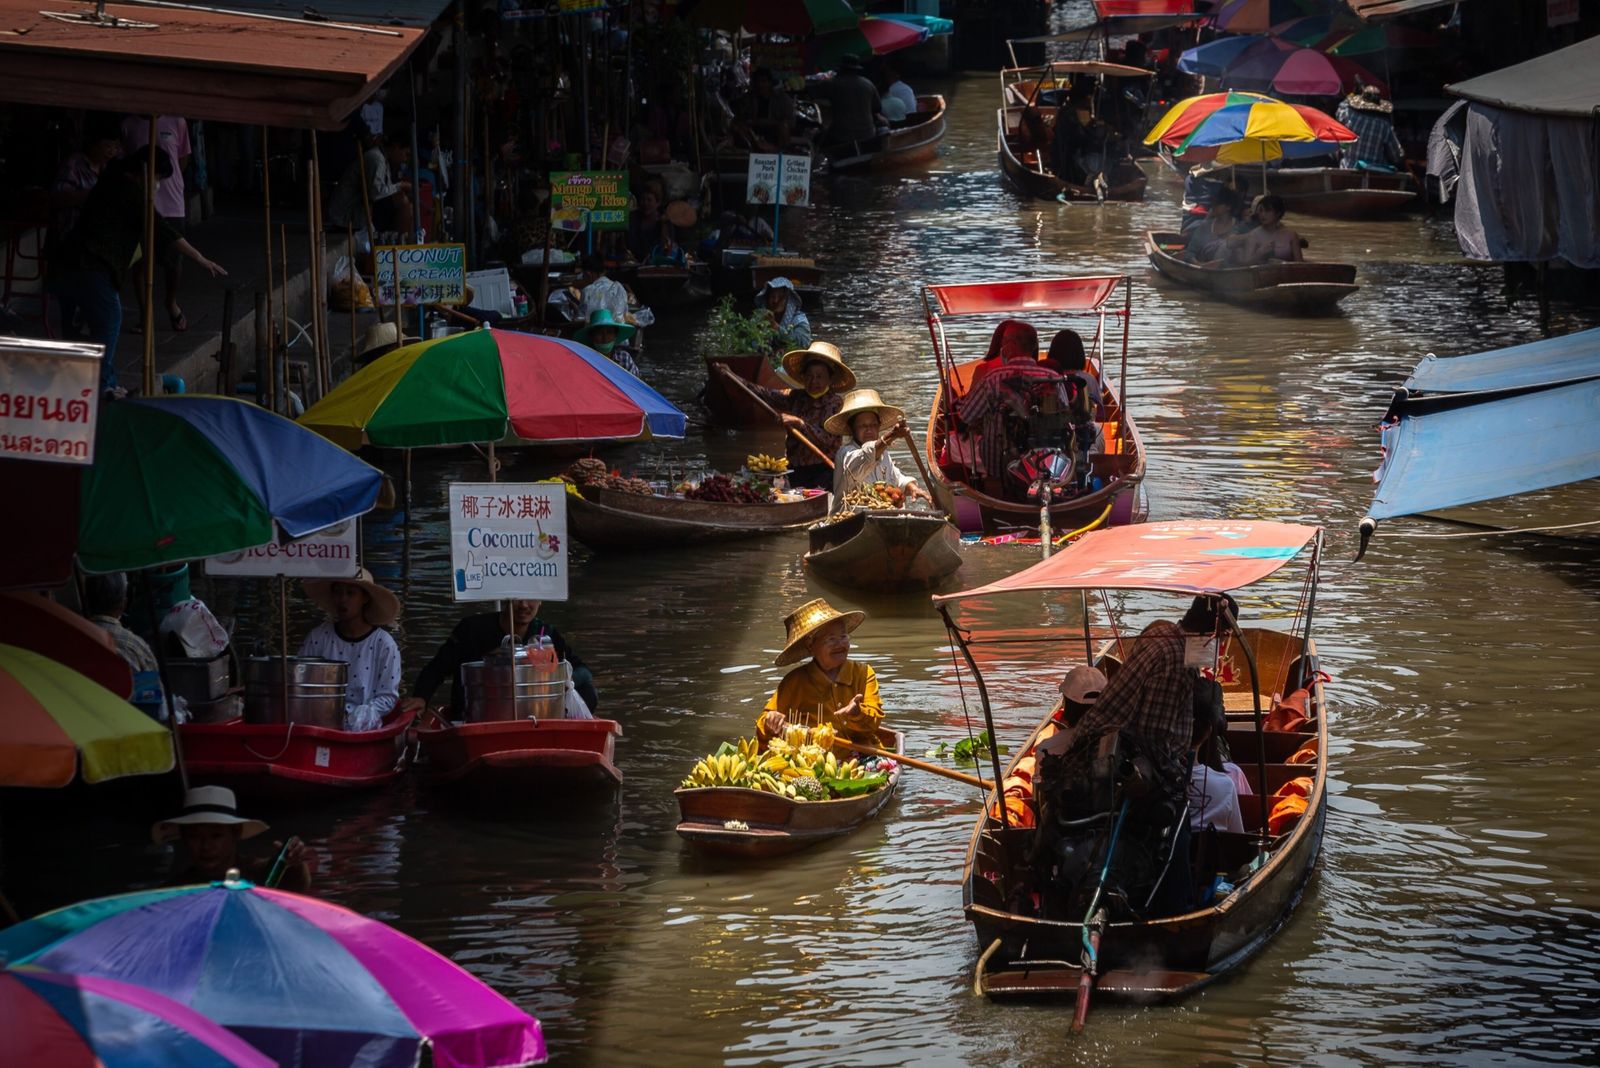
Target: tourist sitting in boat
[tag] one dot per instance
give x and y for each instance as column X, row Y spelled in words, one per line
column 1017, row 332
column 787, row 312
column 358, row 610
column 864, row 459
column 856, row 108
column 211, row 829
column 1215, row 785
column 601, row 291
column 1269, row 241
column 1080, row 688
column 1000, row 404
column 1376, row 145
column 477, row 636
column 105, row 601
column 1208, row 242
column 828, row 688
column 823, row 377
column 610, row 338
column 764, row 118
column 895, row 88
column 1078, row 149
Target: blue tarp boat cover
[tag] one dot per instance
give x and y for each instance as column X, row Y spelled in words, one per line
column 1526, row 418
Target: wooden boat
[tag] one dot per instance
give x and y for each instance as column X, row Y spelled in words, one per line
column 885, row 550
column 915, row 140
column 611, row 519
column 666, row 286
column 1290, row 287
column 1119, row 469
column 732, row 406
column 777, row 825
column 742, row 270
column 1027, row 955
column 1026, row 166
column 519, row 755
column 1335, row 192
column 295, row 761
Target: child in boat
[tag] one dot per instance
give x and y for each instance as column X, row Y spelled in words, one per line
column 358, row 610
column 864, row 459
column 828, row 688
column 211, row 829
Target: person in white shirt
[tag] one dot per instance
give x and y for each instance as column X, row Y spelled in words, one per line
column 863, row 458
column 1215, row 784
column 358, row 610
column 898, row 89
column 601, row 292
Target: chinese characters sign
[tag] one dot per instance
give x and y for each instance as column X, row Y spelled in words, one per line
column 777, row 178
column 508, row 540
column 329, row 553
column 49, row 399
column 429, row 274
column 601, row 197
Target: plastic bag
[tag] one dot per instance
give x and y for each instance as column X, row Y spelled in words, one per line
column 346, row 289
column 575, row 706
column 195, row 629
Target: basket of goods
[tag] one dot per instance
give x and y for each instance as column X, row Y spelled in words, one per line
column 591, row 473
column 800, row 766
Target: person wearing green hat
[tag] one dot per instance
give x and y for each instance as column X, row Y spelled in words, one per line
column 605, row 335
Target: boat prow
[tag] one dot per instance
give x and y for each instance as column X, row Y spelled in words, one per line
column 520, row 756
column 890, row 551
column 610, row 519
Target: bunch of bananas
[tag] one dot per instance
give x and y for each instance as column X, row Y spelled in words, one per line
column 792, row 766
column 761, row 462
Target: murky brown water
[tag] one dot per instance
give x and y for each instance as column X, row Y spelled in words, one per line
column 1456, row 913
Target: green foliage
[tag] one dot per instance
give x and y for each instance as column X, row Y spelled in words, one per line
column 967, row 752
column 853, row 787
column 730, row 334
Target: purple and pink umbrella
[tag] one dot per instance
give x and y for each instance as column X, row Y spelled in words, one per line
column 305, row 982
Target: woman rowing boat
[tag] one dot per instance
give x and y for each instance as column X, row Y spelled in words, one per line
column 830, row 687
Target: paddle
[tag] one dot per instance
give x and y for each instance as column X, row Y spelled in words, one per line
column 759, row 399
column 937, row 489
column 923, row 765
column 279, row 866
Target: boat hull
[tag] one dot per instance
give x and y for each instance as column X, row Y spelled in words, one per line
column 776, row 825
column 294, row 761
column 1336, row 192
column 1301, row 288
column 885, row 551
column 610, row 519
column 520, row 756
column 732, row 406
column 1125, row 182
column 666, row 288
column 904, row 146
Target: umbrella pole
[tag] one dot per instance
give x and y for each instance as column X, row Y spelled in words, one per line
column 283, row 267
column 283, row 644
column 161, row 669
column 1263, row 168
column 270, row 386
column 148, row 297
column 492, row 464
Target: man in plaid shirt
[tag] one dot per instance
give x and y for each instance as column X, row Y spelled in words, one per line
column 1367, row 115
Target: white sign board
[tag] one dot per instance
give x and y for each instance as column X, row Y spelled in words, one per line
column 49, row 400
column 775, row 178
column 508, row 540
column 328, row 554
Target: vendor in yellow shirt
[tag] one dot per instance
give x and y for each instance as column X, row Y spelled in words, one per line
column 828, row 688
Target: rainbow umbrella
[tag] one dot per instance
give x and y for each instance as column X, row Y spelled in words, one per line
column 34, row 622
column 305, row 982
column 871, row 37
column 492, row 386
column 178, row 478
column 51, row 716
column 74, row 1021
column 1241, row 128
column 792, row 18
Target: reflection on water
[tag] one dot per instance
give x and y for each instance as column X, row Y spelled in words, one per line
column 1456, row 914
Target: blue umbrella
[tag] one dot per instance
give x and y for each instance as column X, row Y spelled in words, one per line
column 1213, row 58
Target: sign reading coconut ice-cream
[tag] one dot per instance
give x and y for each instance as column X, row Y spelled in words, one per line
column 778, row 179
column 330, row 553
column 49, row 398
column 508, row 540
column 428, row 274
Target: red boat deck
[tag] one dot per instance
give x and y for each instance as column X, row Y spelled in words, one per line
column 294, row 760
column 521, row 755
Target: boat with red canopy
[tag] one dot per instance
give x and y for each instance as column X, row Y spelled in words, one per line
column 1036, row 938
column 1113, row 492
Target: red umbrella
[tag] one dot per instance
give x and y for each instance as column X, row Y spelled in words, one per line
column 873, row 37
column 34, row 622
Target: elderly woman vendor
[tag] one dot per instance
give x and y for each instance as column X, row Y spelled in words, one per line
column 828, row 688
column 864, row 457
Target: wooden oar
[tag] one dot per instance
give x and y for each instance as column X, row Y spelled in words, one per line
column 901, row 758
column 936, row 489
column 759, row 399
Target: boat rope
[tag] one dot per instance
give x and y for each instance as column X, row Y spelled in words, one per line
column 287, row 737
column 1491, row 533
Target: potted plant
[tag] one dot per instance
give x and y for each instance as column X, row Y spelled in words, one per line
column 744, row 345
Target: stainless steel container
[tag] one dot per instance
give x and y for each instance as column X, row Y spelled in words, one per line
column 508, row 684
column 316, row 691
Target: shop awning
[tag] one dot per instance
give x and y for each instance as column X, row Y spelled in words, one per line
column 1562, row 83
column 228, row 67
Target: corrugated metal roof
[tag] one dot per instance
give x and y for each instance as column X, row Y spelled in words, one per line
column 200, row 64
column 1388, row 9
column 1564, row 82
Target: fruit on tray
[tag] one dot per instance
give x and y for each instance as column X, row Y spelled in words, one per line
column 761, row 462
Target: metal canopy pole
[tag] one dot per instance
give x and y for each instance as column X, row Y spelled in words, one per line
column 988, row 715
column 148, row 297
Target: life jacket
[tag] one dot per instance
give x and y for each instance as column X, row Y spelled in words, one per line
column 1019, row 812
column 1289, row 713
column 1306, row 754
column 1289, row 803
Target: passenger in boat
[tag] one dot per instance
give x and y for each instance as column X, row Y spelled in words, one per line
column 211, row 829
column 823, row 377
column 1015, row 332
column 895, row 87
column 1078, row 150
column 1214, row 784
column 856, row 109
column 610, row 338
column 1267, row 242
column 1208, row 242
column 601, row 291
column 787, row 312
column 477, row 636
column 358, row 610
column 645, row 224
column 1002, row 398
column 764, row 118
column 1376, row 146
column 105, row 602
column 1068, row 359
column 666, row 252
column 828, row 688
column 865, row 459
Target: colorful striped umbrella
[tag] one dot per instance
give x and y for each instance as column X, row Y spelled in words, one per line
column 872, row 37
column 70, row 1021
column 50, row 716
column 792, row 18
column 305, row 982
column 178, row 478
column 34, row 622
column 1240, row 127
column 492, row 386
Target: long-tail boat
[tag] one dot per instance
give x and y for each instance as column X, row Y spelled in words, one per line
column 518, row 756
column 1031, row 947
column 295, row 762
column 610, row 519
column 912, row 141
column 1301, row 287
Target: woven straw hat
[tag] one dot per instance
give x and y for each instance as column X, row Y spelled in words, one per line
column 840, row 377
column 382, row 610
column 855, row 402
column 803, row 622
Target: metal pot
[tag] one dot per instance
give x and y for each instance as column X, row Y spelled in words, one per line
column 508, row 684
column 316, row 691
